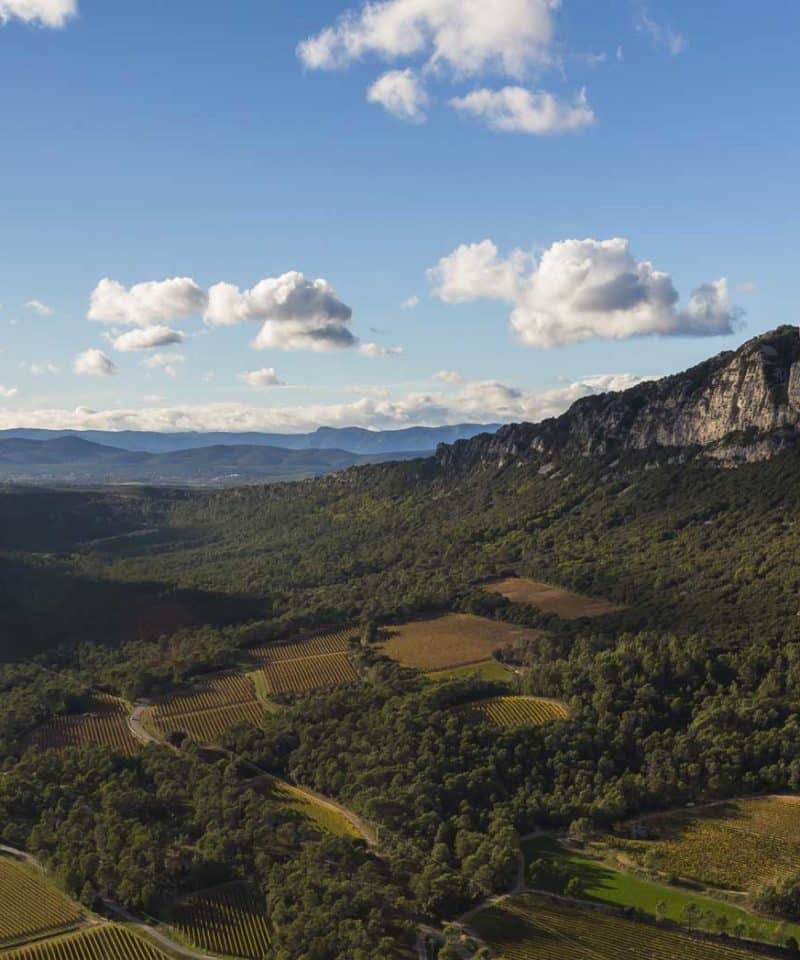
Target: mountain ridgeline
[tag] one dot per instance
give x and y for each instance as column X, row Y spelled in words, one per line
column 740, row 406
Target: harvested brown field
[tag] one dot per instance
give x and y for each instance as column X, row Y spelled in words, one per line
column 309, row 673
column 209, row 709
column 105, row 723
column 734, row 846
column 450, row 641
column 319, row 645
column 551, row 599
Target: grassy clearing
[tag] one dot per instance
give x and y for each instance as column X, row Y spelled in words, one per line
column 326, row 818
column 30, row 906
column 513, row 712
column 602, row 883
column 550, row 599
column 229, row 920
column 212, row 706
column 527, row 927
column 105, row 722
column 107, row 942
column 485, row 670
column 450, row 641
column 733, row 846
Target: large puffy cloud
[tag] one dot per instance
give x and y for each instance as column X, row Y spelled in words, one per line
column 94, row 363
column 518, row 110
column 401, row 93
column 582, row 289
column 146, row 338
column 482, row 402
column 48, row 13
column 466, row 35
column 295, row 313
column 149, row 304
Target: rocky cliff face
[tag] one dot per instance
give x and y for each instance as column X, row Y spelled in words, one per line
column 738, row 406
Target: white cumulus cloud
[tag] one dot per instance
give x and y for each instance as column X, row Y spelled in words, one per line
column 38, row 307
column 295, row 313
column 518, row 110
column 487, row 401
column 465, row 35
column 7, row 392
column 401, row 93
column 146, row 338
column 168, row 362
column 94, row 363
column 47, row 13
column 259, row 379
column 148, row 304
column 378, row 350
column 582, row 289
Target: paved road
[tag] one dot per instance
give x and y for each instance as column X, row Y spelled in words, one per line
column 135, row 723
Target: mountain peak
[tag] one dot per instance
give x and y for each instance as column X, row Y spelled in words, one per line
column 739, row 405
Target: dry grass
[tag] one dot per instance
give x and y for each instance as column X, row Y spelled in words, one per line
column 550, row 599
column 512, row 712
column 105, row 723
column 450, row 641
column 733, row 846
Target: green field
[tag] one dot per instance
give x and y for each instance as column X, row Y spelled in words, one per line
column 601, row 883
column 485, row 670
column 527, row 927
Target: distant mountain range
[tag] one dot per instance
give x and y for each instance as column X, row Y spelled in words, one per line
column 350, row 439
column 55, row 457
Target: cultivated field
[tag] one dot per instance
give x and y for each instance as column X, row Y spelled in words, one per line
column 335, row 642
column 515, row 712
column 550, row 599
column 210, row 708
column 532, row 928
column 308, row 673
column 485, row 670
column 450, row 641
column 105, row 723
column 734, row 846
column 230, row 920
column 97, row 943
column 30, row 907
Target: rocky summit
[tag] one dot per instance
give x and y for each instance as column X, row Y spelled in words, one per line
column 739, row 406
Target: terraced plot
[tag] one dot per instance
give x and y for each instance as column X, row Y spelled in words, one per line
column 735, row 845
column 205, row 712
column 453, row 640
column 532, row 928
column 105, row 723
column 230, row 920
column 309, row 673
column 551, row 599
column 334, row 642
column 512, row 712
column 30, row 907
column 97, row 943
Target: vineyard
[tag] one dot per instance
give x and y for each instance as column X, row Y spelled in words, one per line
column 733, row 845
column 96, row 943
column 106, row 723
column 29, row 906
column 515, row 712
column 550, row 599
column 207, row 711
column 450, row 641
column 309, row 673
column 532, row 928
column 230, row 920
column 317, row 646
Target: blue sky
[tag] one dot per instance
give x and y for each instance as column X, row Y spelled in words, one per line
column 147, row 141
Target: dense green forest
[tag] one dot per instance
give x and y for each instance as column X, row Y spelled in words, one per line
column 689, row 694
